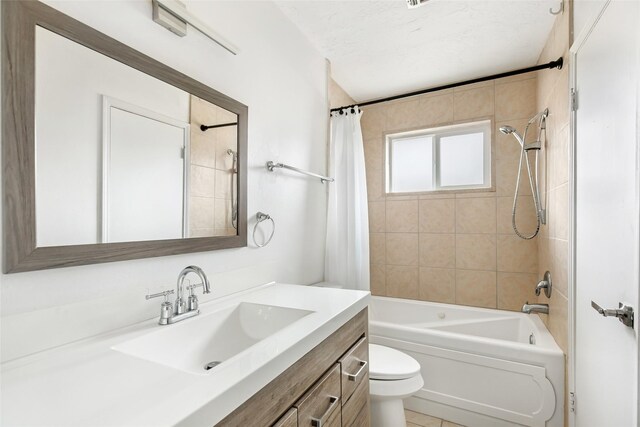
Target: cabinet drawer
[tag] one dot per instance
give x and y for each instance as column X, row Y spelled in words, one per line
column 355, row 413
column 335, row 419
column 355, row 366
column 321, row 406
column 290, row 419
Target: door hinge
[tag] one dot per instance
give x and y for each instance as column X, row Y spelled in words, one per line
column 574, row 100
column 182, row 152
column 572, row 402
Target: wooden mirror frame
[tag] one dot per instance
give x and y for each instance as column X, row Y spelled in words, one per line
column 19, row 21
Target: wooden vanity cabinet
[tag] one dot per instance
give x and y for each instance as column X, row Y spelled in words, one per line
column 322, row 405
column 327, row 387
column 355, row 413
column 290, row 419
column 355, row 385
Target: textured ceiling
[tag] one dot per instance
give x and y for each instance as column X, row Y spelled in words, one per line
column 382, row 48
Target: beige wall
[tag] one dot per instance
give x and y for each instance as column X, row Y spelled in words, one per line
column 337, row 96
column 210, row 203
column 553, row 93
column 454, row 247
column 553, row 248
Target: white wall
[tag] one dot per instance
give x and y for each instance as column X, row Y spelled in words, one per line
column 583, row 12
column 282, row 79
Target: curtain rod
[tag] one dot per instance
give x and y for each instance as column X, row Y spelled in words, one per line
column 550, row 65
column 204, row 128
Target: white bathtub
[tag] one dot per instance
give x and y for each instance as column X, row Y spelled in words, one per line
column 481, row 367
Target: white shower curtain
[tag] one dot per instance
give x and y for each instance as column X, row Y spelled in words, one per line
column 347, row 252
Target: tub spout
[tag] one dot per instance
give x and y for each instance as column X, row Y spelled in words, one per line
column 535, row 308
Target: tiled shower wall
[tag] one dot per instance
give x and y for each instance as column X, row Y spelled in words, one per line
column 553, row 249
column 553, row 246
column 454, row 247
column 211, row 175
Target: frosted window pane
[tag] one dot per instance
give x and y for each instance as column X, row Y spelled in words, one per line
column 412, row 168
column 462, row 160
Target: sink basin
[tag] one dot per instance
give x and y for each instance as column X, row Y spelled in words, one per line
column 199, row 344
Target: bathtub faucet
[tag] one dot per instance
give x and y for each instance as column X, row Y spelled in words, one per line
column 535, row 308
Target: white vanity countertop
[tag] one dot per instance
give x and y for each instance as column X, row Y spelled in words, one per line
column 90, row 384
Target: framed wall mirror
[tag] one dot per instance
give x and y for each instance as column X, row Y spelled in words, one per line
column 109, row 155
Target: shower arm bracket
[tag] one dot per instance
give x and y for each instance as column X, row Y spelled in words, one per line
column 537, row 145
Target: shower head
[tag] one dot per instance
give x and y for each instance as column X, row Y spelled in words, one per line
column 511, row 130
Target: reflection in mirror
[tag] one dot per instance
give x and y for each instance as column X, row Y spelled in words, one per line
column 214, row 168
column 121, row 156
column 143, row 174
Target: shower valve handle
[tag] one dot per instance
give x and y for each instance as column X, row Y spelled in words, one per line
column 545, row 284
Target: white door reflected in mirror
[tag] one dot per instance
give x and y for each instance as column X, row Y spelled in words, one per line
column 145, row 175
column 109, row 153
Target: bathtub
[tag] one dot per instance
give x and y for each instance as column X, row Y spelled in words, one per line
column 480, row 367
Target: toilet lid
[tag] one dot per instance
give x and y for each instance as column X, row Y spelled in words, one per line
column 389, row 364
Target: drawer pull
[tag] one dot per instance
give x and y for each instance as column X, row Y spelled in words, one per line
column 354, row 377
column 319, row 422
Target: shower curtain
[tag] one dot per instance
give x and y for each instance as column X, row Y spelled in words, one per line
column 347, row 249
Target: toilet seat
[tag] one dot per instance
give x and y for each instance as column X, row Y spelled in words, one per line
column 389, row 364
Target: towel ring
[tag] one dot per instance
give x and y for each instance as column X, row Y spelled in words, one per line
column 260, row 217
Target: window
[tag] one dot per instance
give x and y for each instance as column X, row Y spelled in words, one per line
column 454, row 157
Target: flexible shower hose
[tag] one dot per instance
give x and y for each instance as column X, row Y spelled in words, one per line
column 533, row 181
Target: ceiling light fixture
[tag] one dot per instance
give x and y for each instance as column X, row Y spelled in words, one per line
column 415, row 3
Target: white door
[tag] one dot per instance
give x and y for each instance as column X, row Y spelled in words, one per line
column 607, row 216
column 144, row 174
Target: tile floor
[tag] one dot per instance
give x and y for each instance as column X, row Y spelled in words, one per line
column 415, row 419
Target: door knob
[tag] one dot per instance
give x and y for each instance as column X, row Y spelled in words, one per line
column 624, row 313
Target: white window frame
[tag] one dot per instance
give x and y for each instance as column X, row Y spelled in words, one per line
column 483, row 126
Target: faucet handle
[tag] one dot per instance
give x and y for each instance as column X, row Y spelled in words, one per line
column 164, row 294
column 545, row 284
column 192, row 302
column 192, row 288
column 166, row 308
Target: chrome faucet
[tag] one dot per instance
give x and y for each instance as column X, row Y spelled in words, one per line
column 535, row 308
column 183, row 309
column 181, row 306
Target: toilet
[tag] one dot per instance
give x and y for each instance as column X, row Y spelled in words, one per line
column 393, row 376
